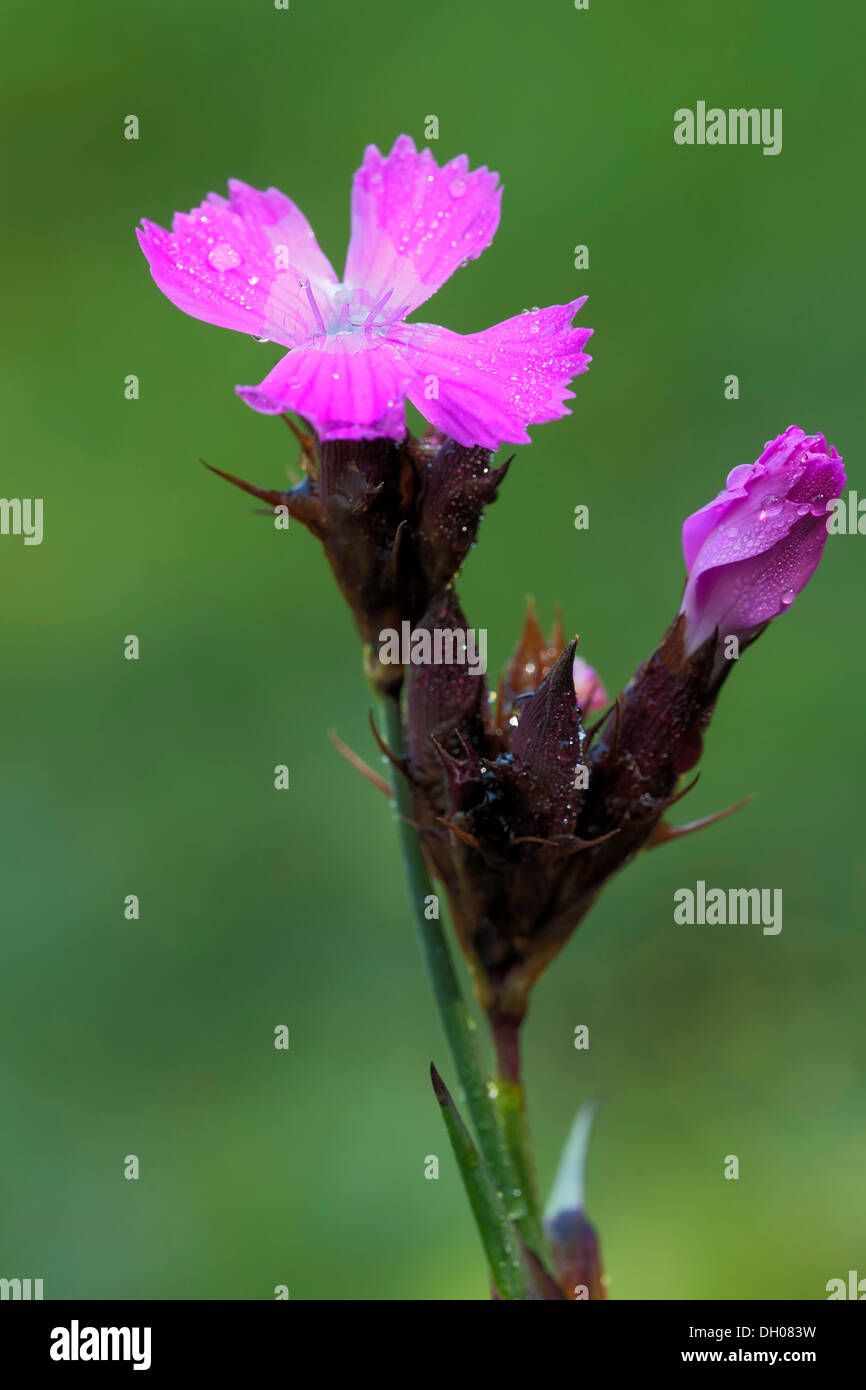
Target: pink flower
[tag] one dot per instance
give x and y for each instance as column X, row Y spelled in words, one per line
column 251, row 263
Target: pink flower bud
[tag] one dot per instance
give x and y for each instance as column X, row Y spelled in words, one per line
column 751, row 551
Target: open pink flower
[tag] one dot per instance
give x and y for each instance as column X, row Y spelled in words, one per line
column 251, row 262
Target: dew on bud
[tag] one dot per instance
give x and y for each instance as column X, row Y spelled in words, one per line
column 738, row 476
column 771, row 505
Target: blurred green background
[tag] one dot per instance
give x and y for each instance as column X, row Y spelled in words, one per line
column 155, row 777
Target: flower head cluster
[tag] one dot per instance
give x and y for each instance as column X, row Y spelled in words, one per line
column 527, row 815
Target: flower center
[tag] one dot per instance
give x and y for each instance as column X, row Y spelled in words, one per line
column 346, row 309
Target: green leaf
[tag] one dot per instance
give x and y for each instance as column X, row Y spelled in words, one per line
column 502, row 1244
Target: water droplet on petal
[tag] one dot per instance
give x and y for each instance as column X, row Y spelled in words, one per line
column 803, row 509
column 771, row 505
column 224, row 257
column 457, row 188
column 819, row 505
column 788, row 597
column 739, row 475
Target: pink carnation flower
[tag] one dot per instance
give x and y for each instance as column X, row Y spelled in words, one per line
column 251, row 263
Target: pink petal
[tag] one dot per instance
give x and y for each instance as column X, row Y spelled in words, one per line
column 773, row 473
column 413, row 223
column 740, row 597
column 237, row 263
column 346, row 391
column 486, row 388
column 698, row 526
column 588, row 687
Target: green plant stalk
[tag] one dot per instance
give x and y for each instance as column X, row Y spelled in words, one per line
column 457, row 1020
column 511, row 1105
column 510, row 1100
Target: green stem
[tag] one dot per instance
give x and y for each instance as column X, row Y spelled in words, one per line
column 511, row 1104
column 457, row 1020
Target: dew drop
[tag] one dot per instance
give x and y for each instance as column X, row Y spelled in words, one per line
column 457, row 188
column 803, row 509
column 788, row 597
column 738, row 475
column 224, row 257
column 771, row 505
